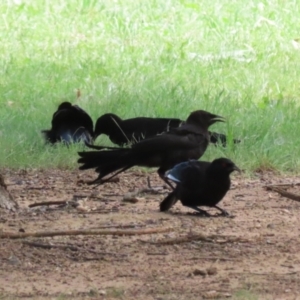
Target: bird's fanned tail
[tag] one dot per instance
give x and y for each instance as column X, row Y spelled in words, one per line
column 48, row 136
column 105, row 162
column 168, row 202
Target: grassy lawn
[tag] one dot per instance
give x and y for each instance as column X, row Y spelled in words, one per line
column 152, row 58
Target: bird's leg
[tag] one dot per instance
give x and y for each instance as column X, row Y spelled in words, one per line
column 161, row 174
column 223, row 211
column 201, row 211
column 101, row 181
column 151, row 189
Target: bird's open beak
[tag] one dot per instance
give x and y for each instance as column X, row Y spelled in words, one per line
column 217, row 118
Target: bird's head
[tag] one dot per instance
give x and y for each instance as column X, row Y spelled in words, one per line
column 203, row 118
column 105, row 124
column 64, row 105
column 224, row 165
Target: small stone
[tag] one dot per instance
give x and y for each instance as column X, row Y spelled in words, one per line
column 212, row 271
column 131, row 199
column 13, row 260
column 211, row 295
column 227, row 295
column 102, row 292
column 198, row 272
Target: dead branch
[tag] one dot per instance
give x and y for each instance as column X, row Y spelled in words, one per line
column 119, row 226
column 199, row 237
column 49, row 246
column 288, row 184
column 266, row 274
column 154, row 191
column 99, row 211
column 91, row 196
column 12, row 235
column 52, row 203
column 88, row 182
column 157, row 253
column 213, row 258
column 69, row 247
column 283, row 193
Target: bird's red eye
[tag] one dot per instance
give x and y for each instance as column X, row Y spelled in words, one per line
column 224, row 165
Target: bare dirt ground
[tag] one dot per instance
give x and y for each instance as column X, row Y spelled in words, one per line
column 255, row 255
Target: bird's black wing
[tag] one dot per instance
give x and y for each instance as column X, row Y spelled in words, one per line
column 165, row 143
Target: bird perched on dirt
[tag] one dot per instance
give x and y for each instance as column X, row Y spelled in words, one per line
column 70, row 124
column 189, row 141
column 130, row 131
column 200, row 183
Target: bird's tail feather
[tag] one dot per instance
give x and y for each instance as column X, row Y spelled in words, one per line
column 168, row 202
column 105, row 162
column 49, row 136
column 100, row 147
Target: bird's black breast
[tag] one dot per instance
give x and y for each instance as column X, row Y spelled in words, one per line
column 207, row 192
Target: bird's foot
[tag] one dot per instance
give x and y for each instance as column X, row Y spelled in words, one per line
column 153, row 190
column 225, row 214
column 200, row 212
column 203, row 214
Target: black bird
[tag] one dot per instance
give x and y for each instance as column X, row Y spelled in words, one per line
column 200, row 183
column 123, row 132
column 189, row 141
column 70, row 124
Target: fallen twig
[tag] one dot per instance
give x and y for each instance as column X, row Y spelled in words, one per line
column 267, row 274
column 213, row 258
column 157, row 253
column 199, row 237
column 119, row 226
column 89, row 182
column 282, row 185
column 49, row 246
column 283, row 193
column 52, row 203
column 12, row 235
column 91, row 196
column 154, row 191
column 101, row 211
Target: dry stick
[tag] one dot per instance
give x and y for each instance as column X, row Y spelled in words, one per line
column 213, row 258
column 65, row 247
column 91, row 196
column 283, row 193
column 198, row 237
column 115, row 179
column 282, row 185
column 12, row 235
column 119, row 226
column 50, row 203
column 48, row 246
column 99, row 211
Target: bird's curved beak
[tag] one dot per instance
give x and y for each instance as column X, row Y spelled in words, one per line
column 235, row 168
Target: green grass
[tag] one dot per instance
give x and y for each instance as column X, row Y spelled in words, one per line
column 152, row 58
column 246, row 295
